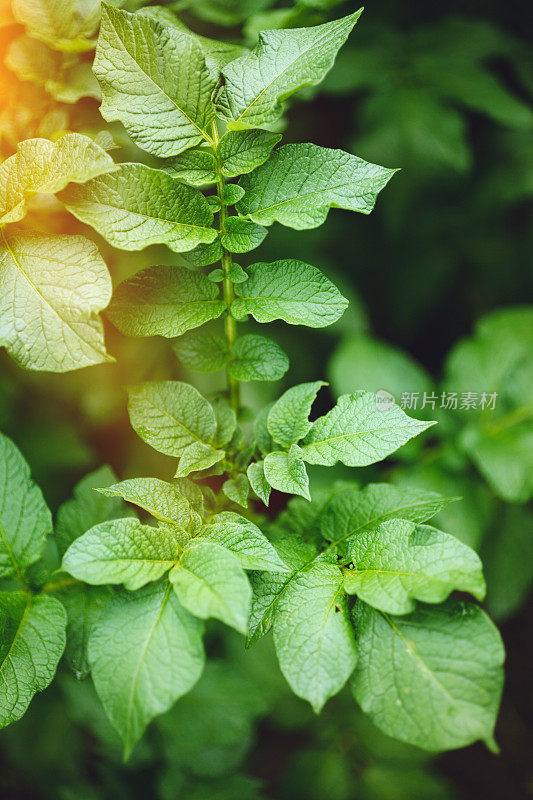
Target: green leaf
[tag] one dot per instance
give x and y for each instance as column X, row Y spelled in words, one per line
column 240, row 235
column 237, row 489
column 84, row 605
column 357, row 432
column 226, row 422
column 33, row 639
column 145, row 652
column 155, row 81
column 287, row 473
column 242, row 151
column 210, row 582
column 313, row 636
column 65, row 79
column 352, row 511
column 170, row 415
column 258, row 481
column 41, row 166
column 51, row 290
column 164, row 301
column 256, row 358
column 67, row 25
column 136, row 206
column 289, row 290
column 243, row 538
column 164, row 501
column 122, row 551
column 87, row 507
column 504, row 457
column 283, row 62
column 25, row 519
column 204, row 352
column 288, row 419
column 197, row 167
column 231, row 194
column 196, row 457
column 433, row 678
column 399, row 562
column 300, row 183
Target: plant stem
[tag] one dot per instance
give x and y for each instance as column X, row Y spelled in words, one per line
column 230, row 325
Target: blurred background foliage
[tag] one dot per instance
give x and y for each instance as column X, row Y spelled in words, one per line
column 438, row 277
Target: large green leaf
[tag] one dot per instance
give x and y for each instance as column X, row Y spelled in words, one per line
column 243, row 538
column 66, row 25
column 357, row 432
column 210, row 582
column 432, row 678
column 41, row 166
column 25, row 519
column 164, row 301
column 313, row 636
column 300, row 183
column 33, row 639
column 399, row 562
column 145, row 652
column 122, row 551
column 289, row 290
column 51, row 290
column 154, row 79
column 288, row 419
column 283, row 62
column 137, row 206
column 352, row 511
column 170, row 416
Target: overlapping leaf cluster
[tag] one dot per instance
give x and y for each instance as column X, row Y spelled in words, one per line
column 203, row 112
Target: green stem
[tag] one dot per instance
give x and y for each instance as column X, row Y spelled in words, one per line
column 230, row 325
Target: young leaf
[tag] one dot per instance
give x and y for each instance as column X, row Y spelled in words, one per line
column 256, row 358
column 164, row 501
column 46, row 167
column 300, row 183
column 164, row 301
column 170, row 415
column 197, row 167
column 136, row 206
column 399, row 562
column 433, row 678
column 231, row 194
column 258, row 481
column 237, row 489
column 122, row 551
column 313, row 636
column 242, row 151
column 196, row 457
column 353, row 510
column 289, row 290
column 241, row 235
column 25, row 520
column 33, row 639
column 204, row 352
column 155, row 81
column 357, row 432
column 283, row 62
column 145, row 652
column 243, row 538
column 287, row 473
column 288, row 419
column 51, row 290
column 87, row 508
column 210, row 582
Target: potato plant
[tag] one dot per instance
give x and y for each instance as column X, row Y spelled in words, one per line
column 354, row 582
